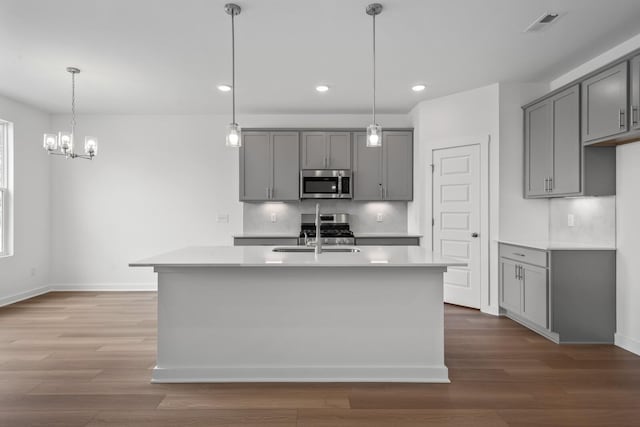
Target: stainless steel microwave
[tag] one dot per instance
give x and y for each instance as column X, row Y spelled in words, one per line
column 326, row 184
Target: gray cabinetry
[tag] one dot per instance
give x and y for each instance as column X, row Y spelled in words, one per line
column 535, row 294
column 264, row 241
column 384, row 173
column 604, row 104
column 269, row 166
column 326, row 150
column 634, row 98
column 556, row 162
column 388, row 241
column 566, row 295
column 510, row 287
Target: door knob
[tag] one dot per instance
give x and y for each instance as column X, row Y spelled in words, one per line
column 474, row 235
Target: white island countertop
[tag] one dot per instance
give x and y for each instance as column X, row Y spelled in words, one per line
column 264, row 256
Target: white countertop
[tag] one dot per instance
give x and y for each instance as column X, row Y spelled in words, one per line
column 263, row 256
column 559, row 246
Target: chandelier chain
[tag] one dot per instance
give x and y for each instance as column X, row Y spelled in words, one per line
column 233, row 67
column 73, row 104
column 374, row 69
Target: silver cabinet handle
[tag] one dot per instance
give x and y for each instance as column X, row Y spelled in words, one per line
column 546, row 187
column 621, row 113
column 515, row 271
column 550, row 184
column 518, row 254
column 521, row 273
column 634, row 115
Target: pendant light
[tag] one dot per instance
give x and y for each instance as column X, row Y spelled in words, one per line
column 234, row 137
column 374, row 130
column 61, row 144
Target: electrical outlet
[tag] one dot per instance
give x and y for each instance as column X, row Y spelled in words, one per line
column 571, row 220
column 274, row 217
column 379, row 217
column 223, row 218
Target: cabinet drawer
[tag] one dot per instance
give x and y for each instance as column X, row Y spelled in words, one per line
column 521, row 254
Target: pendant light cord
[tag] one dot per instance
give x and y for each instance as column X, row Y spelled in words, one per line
column 374, row 69
column 73, row 104
column 233, row 66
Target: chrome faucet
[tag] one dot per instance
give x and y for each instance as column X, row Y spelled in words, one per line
column 318, row 236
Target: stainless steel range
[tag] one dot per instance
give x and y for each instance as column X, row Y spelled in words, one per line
column 334, row 229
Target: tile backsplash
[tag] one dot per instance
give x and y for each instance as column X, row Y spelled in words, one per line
column 594, row 220
column 257, row 217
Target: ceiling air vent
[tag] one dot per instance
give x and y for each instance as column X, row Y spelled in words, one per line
column 542, row 22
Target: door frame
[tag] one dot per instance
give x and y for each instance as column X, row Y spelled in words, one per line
column 485, row 213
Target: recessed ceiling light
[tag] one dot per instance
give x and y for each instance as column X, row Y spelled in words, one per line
column 224, row 88
column 322, row 88
column 418, row 88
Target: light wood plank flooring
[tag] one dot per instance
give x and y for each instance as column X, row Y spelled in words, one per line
column 84, row 359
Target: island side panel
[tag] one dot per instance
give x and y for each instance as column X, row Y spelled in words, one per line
column 271, row 323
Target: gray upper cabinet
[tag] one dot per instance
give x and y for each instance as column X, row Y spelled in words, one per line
column 553, row 151
column 326, row 150
column 367, row 169
column 604, row 104
column 286, row 166
column 269, row 166
column 255, row 166
column 634, row 108
column 538, row 148
column 556, row 162
column 384, row 173
column 397, row 165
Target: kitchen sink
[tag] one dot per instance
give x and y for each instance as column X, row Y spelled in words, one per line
column 309, row 249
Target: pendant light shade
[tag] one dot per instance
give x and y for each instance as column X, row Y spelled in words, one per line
column 374, row 130
column 234, row 132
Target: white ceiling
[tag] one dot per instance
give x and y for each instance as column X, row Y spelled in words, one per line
column 167, row 56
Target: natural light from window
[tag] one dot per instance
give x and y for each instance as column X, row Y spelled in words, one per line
column 4, row 188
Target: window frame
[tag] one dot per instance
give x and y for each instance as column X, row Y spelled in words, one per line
column 5, row 172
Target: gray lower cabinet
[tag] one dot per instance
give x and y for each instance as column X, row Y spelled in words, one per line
column 384, row 173
column 556, row 162
column 269, row 166
column 565, row 295
column 326, row 150
column 604, row 104
column 634, row 98
column 387, row 241
column 265, row 241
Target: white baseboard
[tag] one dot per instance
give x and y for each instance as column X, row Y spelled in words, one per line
column 225, row 374
column 627, row 343
column 104, row 287
column 12, row 299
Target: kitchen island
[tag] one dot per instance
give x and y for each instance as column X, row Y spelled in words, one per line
column 233, row 314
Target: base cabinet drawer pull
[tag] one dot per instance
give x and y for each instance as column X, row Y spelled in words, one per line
column 518, row 254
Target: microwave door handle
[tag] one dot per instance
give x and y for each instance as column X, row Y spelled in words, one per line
column 339, row 192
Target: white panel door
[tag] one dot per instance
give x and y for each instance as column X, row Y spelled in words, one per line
column 456, row 220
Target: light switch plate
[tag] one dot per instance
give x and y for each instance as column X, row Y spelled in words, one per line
column 379, row 217
column 571, row 220
column 274, row 217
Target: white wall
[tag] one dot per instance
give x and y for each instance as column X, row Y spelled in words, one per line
column 26, row 273
column 464, row 118
column 158, row 184
column 627, row 214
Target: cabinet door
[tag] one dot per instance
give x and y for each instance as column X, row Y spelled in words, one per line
column 286, row 166
column 510, row 289
column 567, row 147
column 367, row 170
column 635, row 93
column 397, row 165
column 538, row 148
column 604, row 104
column 535, row 298
column 314, row 150
column 255, row 166
column 339, row 150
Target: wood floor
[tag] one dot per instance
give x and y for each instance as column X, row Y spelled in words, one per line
column 84, row 359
